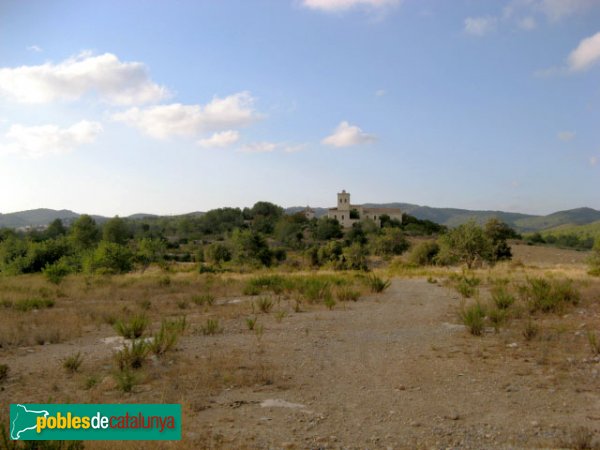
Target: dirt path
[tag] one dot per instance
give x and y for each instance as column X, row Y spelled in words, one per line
column 395, row 371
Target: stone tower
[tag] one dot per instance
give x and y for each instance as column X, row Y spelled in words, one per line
column 343, row 201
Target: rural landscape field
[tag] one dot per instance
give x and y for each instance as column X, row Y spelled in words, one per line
column 299, row 224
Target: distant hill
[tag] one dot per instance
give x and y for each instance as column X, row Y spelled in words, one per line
column 43, row 216
column 446, row 216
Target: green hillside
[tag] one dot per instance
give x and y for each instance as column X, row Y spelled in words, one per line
column 582, row 231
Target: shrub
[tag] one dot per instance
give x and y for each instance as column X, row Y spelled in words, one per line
column 275, row 283
column 473, row 317
column 251, row 322
column 497, row 317
column 424, row 253
column 132, row 328
column 211, row 327
column 546, row 295
column 466, row 284
column 502, row 298
column 73, row 362
column 165, row 340
column 265, row 304
column 202, row 299
column 377, row 284
column 346, row 294
column 57, row 271
column 109, row 257
column 132, row 356
column 466, row 244
column 329, row 302
column 390, row 242
column 126, row 380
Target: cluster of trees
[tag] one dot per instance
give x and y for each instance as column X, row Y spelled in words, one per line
column 564, row 240
column 468, row 244
column 231, row 237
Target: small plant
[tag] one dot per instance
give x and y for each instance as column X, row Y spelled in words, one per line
column 329, row 302
column 91, row 381
column 594, row 342
column 203, row 299
column 164, row 281
column 211, row 327
column 280, row 315
column 133, row 328
column 144, row 304
column 497, row 317
column 3, row 372
column 502, row 298
column 259, row 330
column 377, row 284
column 431, row 280
column 531, row 330
column 264, row 304
column 165, row 340
column 182, row 304
column 466, row 284
column 73, row 362
column 297, row 304
column 473, row 317
column 346, row 294
column 251, row 322
column 132, row 356
column 126, row 379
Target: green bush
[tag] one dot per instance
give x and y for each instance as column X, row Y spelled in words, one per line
column 57, row 271
column 473, row 317
column 502, row 298
column 424, row 253
column 377, row 284
column 132, row 356
column 547, row 295
column 132, row 328
column 110, row 258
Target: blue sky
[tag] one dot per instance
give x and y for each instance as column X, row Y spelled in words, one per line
column 177, row 106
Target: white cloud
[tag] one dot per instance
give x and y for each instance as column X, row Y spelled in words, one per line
column 342, row 5
column 293, row 148
column 188, row 120
column 35, row 48
column 117, row 82
column 38, row 141
column 586, row 54
column 259, row 147
column 380, row 92
column 566, row 136
column 527, row 23
column 220, row 140
column 593, row 160
column 346, row 135
column 480, row 26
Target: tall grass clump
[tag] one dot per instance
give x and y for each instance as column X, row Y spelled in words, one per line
column 466, row 284
column 132, row 328
column 313, row 288
column 132, row 356
column 594, row 342
column 274, row 283
column 377, row 284
column 72, row 363
column 264, row 304
column 473, row 317
column 547, row 295
column 502, row 298
column 211, row 327
column 167, row 337
column 28, row 304
column 346, row 294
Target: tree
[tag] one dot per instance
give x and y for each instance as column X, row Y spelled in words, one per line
column 498, row 232
column 109, row 257
column 327, row 229
column 390, row 242
column 250, row 247
column 466, row 244
column 84, row 232
column 150, row 251
column 55, row 229
column 217, row 253
column 264, row 216
column 355, row 257
column 116, row 230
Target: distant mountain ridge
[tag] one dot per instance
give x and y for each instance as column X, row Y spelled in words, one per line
column 446, row 216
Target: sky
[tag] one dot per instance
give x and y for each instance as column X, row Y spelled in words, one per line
column 168, row 107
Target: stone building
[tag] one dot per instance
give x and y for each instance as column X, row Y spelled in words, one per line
column 347, row 213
